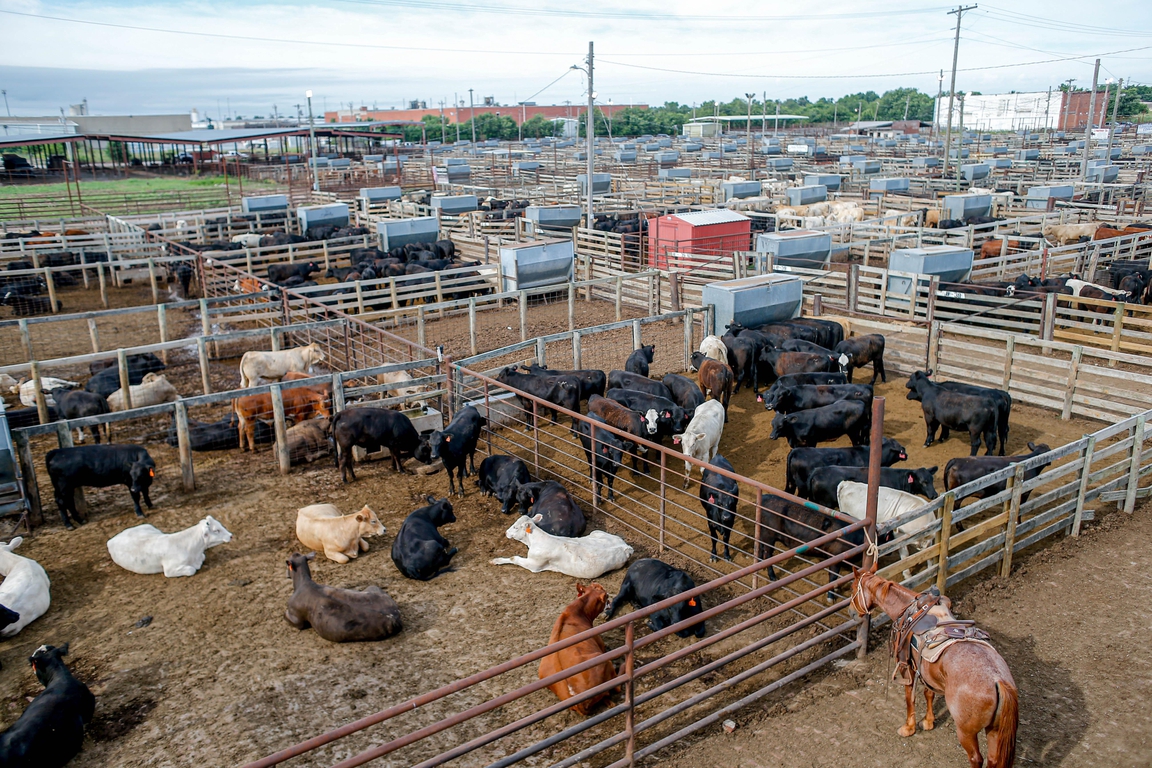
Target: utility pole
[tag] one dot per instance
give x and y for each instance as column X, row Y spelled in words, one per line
column 472, row 115
column 1112, row 124
column 1047, row 105
column 1068, row 101
column 960, row 145
column 907, row 101
column 590, row 129
column 6, row 109
column 312, row 143
column 751, row 161
column 443, row 129
column 952, row 90
column 1091, row 118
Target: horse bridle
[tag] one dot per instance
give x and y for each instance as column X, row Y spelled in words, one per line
column 859, row 600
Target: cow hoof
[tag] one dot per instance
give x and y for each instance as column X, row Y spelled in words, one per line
column 140, row 514
column 69, row 526
column 714, row 558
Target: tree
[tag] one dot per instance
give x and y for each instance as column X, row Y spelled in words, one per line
column 539, row 126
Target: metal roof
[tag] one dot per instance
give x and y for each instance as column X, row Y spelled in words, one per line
column 744, row 118
column 217, row 136
column 716, row 216
column 36, row 139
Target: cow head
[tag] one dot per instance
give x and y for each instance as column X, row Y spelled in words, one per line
column 523, row 528
column 698, row 359
column 782, row 425
column 652, row 420
column 368, row 524
column 46, row 660
column 213, row 532
column 313, row 353
column 298, row 563
column 843, row 360
column 892, row 452
column 142, row 473
column 593, row 598
column 919, row 481
column 440, row 512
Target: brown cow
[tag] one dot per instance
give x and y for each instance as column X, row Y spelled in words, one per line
column 716, row 379
column 577, row 618
column 324, row 389
column 300, row 404
column 1106, row 232
column 992, row 248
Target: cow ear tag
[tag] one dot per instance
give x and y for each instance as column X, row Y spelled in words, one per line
column 447, row 438
column 151, row 473
column 528, row 529
column 692, row 602
column 911, row 479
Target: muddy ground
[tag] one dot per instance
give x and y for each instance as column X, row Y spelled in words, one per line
column 1076, row 644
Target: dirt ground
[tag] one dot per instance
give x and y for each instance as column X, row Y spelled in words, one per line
column 1076, row 645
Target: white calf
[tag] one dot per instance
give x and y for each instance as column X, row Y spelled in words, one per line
column 891, row 503
column 145, row 549
column 701, row 438
column 584, row 558
column 1065, row 234
column 153, row 390
column 339, row 537
column 273, row 365
column 25, row 589
column 714, row 348
column 27, row 390
column 400, row 377
column 248, row 240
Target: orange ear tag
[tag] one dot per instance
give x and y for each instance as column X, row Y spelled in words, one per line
column 692, row 602
column 528, row 529
column 151, row 473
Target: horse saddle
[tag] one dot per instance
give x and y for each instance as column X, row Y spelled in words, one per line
column 920, row 634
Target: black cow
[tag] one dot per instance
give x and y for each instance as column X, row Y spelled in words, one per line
column 669, row 415
column 182, row 271
column 26, row 306
column 822, row 425
column 942, row 408
column 99, row 466
column 107, row 381
column 626, row 420
column 419, row 551
column 823, row 482
column 146, row 362
column 281, row 273
column 797, row 345
column 446, row 248
column 455, row 446
column 778, row 362
column 218, row 435
column 638, row 383
column 719, row 496
column 862, row 350
column 640, row 359
column 77, row 404
column 807, row 396
column 561, row 514
column 592, row 382
column 800, row 379
column 965, row 469
column 685, row 393
column 502, row 476
column 802, row 462
column 563, row 391
column 950, row 224
column 50, row 732
column 650, row 581
column 27, row 417
column 372, row 429
column 1002, row 399
column 743, row 353
column 790, row 525
column 609, row 452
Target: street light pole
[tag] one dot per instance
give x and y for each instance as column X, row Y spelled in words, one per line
column 1091, row 119
column 939, row 94
column 472, row 115
column 312, row 142
column 952, row 89
column 591, row 131
column 1112, row 124
column 748, row 140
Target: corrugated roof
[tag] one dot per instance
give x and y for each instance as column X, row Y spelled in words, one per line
column 211, row 137
column 33, row 139
column 717, row 216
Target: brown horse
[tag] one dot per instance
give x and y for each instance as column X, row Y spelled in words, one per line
column 577, row 617
column 977, row 685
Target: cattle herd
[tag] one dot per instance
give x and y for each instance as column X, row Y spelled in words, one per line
column 802, row 369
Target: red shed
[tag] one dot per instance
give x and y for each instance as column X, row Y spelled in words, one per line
column 713, row 234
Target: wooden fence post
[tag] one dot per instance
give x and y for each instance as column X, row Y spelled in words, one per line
column 153, row 282
column 576, row 349
column 282, row 455
column 1012, row 506
column 93, row 334
column 541, row 349
column 51, row 289
column 636, row 335
column 472, row 320
column 1070, row 385
column 125, row 386
column 420, row 338
column 945, row 540
column 1085, row 471
column 162, row 321
column 28, row 473
column 26, row 337
column 571, row 306
column 202, row 354
column 1134, row 467
column 524, row 315
column 103, row 284
column 1009, row 353
column 619, row 296
column 853, row 287
column 337, row 393
column 184, row 444
column 1117, row 330
column 64, row 438
column 689, row 323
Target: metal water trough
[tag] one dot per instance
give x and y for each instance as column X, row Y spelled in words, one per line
column 951, row 263
column 963, row 206
column 264, row 203
column 455, row 204
column 397, row 232
column 380, row 194
column 537, row 263
column 601, row 183
column 796, row 247
column 755, row 300
column 740, row 189
column 331, row 215
column 806, row 195
column 1038, row 196
column 554, row 216
column 829, row 180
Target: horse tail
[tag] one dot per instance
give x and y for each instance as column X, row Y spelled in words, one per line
column 1002, row 746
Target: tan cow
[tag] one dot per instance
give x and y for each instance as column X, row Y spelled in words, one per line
column 153, row 390
column 308, row 441
column 340, row 537
column 271, row 366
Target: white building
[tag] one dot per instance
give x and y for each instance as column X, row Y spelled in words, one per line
column 1004, row 111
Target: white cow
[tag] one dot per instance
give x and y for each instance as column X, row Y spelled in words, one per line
column 1076, row 286
column 586, row 557
column 714, row 348
column 1065, row 234
column 145, row 549
column 400, row 377
column 25, row 589
column 852, row 498
column 701, row 438
column 273, row 365
column 27, row 390
column 339, row 537
column 152, row 390
column 248, row 240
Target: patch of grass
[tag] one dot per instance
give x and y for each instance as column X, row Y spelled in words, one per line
column 129, row 186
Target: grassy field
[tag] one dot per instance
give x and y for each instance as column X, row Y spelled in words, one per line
column 129, row 186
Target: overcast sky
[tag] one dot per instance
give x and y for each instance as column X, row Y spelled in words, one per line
column 385, row 52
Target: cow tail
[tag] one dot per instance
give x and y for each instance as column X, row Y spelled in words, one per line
column 332, row 438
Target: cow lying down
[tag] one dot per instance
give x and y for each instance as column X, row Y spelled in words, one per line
column 25, row 590
column 145, row 549
column 339, row 537
column 584, row 558
column 338, row 615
